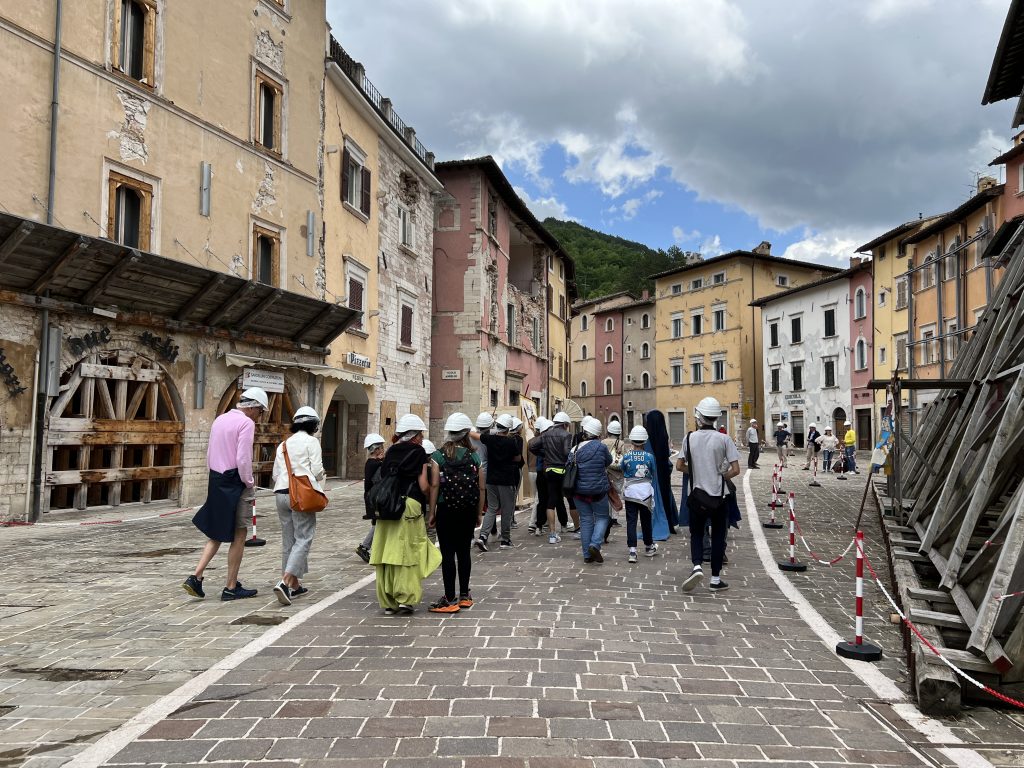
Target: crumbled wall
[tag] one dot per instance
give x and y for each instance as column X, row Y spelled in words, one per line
column 131, row 136
column 268, row 52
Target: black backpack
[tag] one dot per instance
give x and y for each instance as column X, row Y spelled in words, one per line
column 460, row 483
column 386, row 499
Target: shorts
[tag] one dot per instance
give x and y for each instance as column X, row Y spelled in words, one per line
column 243, row 512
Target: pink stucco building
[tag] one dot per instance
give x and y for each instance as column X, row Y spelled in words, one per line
column 608, row 356
column 862, row 298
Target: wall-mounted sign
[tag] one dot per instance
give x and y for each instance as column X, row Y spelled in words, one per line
column 269, row 381
column 795, row 399
column 360, row 361
column 451, row 375
column 80, row 344
column 14, row 386
column 166, row 348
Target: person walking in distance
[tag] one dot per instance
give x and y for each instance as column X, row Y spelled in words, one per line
column 592, row 459
column 638, row 492
column 781, row 438
column 753, row 445
column 541, row 425
column 457, row 500
column 231, row 489
column 615, row 446
column 829, row 444
column 374, row 447
column 850, row 444
column 812, row 447
column 402, row 555
column 710, row 460
column 504, row 456
column 553, row 449
column 304, row 458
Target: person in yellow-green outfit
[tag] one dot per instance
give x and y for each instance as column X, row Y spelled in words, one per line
column 850, row 444
column 401, row 553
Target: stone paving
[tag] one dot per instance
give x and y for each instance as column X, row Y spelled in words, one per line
column 557, row 665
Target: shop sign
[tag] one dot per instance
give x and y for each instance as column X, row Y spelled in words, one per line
column 268, row 381
column 450, row 375
column 166, row 348
column 14, row 385
column 79, row 345
column 795, row 399
column 360, row 361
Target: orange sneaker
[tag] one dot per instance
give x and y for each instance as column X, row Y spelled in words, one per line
column 465, row 601
column 444, row 605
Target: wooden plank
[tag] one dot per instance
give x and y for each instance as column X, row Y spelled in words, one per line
column 79, row 245
column 308, row 327
column 85, row 476
column 1005, row 579
column 259, row 309
column 68, row 391
column 124, row 263
column 116, row 426
column 55, row 438
column 196, row 299
column 93, row 371
column 936, row 619
column 104, row 398
column 963, row 660
column 236, row 298
column 13, row 240
column 929, row 595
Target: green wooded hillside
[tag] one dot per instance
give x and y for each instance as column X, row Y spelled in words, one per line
column 608, row 264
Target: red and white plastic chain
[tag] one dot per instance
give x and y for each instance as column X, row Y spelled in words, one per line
column 910, row 625
column 1000, row 598
column 814, row 556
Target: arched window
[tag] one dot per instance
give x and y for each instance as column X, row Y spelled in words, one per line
column 583, row 389
column 645, row 351
column 862, row 354
column 645, row 380
column 860, row 304
column 608, row 385
column 645, row 320
column 608, row 353
column 583, row 322
column 583, row 352
column 609, row 325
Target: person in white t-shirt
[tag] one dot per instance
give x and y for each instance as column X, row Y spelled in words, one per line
column 753, row 444
column 710, row 458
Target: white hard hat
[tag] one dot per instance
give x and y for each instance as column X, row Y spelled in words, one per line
column 429, row 447
column 458, row 422
column 828, row 429
column 305, row 413
column 373, row 439
column 638, row 435
column 484, row 421
column 254, row 395
column 614, row 427
column 517, row 424
column 562, row 418
column 541, row 425
column 410, row 423
column 591, row 426
column 812, row 425
column 780, row 425
column 753, row 421
column 709, row 408
column 846, row 424
column 504, row 421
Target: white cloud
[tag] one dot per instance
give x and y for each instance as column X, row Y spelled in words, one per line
column 829, row 248
column 711, row 247
column 504, row 137
column 681, row 236
column 886, row 10
column 543, row 207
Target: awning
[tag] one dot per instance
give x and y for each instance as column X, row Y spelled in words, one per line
column 327, row 371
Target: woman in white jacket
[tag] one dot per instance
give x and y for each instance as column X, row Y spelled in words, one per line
column 297, row 528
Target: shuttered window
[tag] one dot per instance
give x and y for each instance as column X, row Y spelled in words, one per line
column 355, row 182
column 355, row 299
column 406, row 330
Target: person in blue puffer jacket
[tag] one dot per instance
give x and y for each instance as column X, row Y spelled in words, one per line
column 591, row 492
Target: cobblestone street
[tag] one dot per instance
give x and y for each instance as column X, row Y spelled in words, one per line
column 557, row 665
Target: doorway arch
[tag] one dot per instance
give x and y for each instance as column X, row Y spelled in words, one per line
column 839, row 418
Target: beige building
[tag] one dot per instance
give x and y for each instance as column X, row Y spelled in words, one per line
column 639, row 372
column 561, row 295
column 185, row 151
column 709, row 338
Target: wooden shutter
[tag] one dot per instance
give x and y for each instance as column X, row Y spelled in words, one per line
column 406, row 338
column 346, row 159
column 364, row 205
column 355, row 299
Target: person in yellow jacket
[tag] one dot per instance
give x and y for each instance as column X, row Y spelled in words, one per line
column 850, row 444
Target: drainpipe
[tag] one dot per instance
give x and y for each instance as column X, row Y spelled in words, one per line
column 44, row 330
column 911, row 348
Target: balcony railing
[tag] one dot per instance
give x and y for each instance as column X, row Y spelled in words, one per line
column 357, row 74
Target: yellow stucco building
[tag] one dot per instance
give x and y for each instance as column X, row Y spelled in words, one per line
column 709, row 338
column 561, row 295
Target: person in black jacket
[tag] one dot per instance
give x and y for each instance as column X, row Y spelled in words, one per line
column 374, row 445
column 504, row 462
column 812, row 446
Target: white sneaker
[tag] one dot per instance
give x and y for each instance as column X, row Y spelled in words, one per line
column 554, row 538
column 696, row 577
column 651, row 551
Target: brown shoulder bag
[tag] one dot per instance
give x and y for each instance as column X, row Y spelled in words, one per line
column 302, row 496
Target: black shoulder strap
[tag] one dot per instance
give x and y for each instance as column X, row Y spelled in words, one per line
column 689, row 460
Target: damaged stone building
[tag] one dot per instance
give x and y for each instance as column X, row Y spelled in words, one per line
column 162, row 240
column 490, row 342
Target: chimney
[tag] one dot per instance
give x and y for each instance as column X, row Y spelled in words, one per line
column 854, row 262
column 388, row 109
column 985, row 182
column 645, row 295
column 764, row 249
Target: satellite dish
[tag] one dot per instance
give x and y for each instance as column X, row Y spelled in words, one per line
column 573, row 410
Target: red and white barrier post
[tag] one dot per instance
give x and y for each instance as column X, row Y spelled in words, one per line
column 791, row 564
column 814, row 480
column 253, row 541
column 842, row 464
column 858, row 649
column 774, row 503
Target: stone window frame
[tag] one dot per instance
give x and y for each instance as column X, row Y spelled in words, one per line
column 645, row 351
column 826, row 362
column 609, row 354
column 773, row 331
column 406, row 229
column 718, row 359
column 676, row 369
column 583, row 352
column 834, row 309
column 354, row 158
column 861, row 358
column 645, row 380
column 282, row 8
column 697, row 322
column 265, row 80
column 775, row 378
column 609, row 386
column 583, row 388
column 151, row 9
column 796, row 371
column 116, row 175
column 360, row 273
column 719, row 310
column 406, row 300
column 676, row 327
column 696, row 369
column 116, row 182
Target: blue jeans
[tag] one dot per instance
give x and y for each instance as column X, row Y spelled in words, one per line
column 594, row 519
column 827, row 460
column 851, row 458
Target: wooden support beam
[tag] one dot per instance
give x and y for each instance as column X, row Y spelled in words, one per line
column 10, row 245
column 197, row 299
column 79, row 245
column 218, row 314
column 936, row 619
column 262, row 307
column 112, row 274
column 1006, row 578
column 326, row 313
column 909, row 384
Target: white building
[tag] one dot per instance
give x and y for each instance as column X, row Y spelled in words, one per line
column 807, row 356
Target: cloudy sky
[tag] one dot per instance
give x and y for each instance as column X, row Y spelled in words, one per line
column 710, row 124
